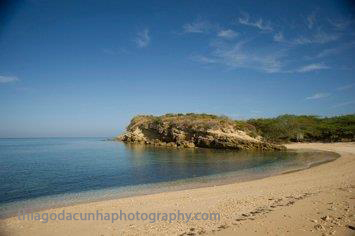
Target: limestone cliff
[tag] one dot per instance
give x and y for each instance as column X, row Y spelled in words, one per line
column 195, row 130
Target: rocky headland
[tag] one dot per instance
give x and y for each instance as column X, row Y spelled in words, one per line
column 195, row 130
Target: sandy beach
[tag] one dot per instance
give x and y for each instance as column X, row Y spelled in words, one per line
column 315, row 201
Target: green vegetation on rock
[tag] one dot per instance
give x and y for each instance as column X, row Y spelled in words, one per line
column 292, row 128
column 211, row 131
column 195, row 130
column 206, row 130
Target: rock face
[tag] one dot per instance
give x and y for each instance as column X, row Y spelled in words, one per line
column 192, row 130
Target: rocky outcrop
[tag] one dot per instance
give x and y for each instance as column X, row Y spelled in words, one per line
column 188, row 131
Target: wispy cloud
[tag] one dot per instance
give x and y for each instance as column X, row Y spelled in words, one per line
column 333, row 51
column 343, row 104
column 142, row 38
column 311, row 19
column 245, row 50
column 197, row 26
column 244, row 19
column 319, row 37
column 7, row 79
column 345, row 87
column 327, row 52
column 312, row 67
column 25, row 89
column 340, row 24
column 227, row 34
column 318, row 96
column 237, row 55
column 203, row 59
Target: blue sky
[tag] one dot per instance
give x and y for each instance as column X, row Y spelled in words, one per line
column 84, row 68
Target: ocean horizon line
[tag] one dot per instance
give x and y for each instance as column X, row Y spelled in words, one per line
column 56, row 137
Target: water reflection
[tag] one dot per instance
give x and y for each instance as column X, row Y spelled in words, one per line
column 175, row 163
column 42, row 167
column 165, row 163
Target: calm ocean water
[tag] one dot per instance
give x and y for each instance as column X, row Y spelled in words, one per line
column 57, row 170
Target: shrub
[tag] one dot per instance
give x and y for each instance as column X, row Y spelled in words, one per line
column 288, row 128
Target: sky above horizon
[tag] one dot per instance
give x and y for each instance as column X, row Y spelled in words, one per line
column 84, row 68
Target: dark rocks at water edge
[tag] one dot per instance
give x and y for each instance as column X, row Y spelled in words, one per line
column 195, row 130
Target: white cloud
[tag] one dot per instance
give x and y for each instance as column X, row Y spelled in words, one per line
column 312, row 67
column 239, row 56
column 269, row 59
column 227, row 34
column 327, row 52
column 7, row 79
column 142, row 39
column 332, row 51
column 318, row 96
column 260, row 23
column 203, row 59
column 196, row 27
column 266, row 56
column 319, row 37
column 279, row 37
column 345, row 87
